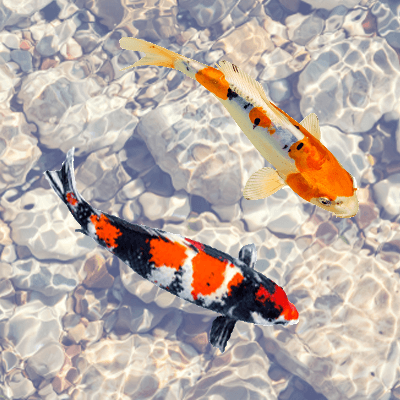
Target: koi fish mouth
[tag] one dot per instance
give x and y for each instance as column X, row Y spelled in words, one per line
column 344, row 215
column 342, row 207
column 347, row 208
column 281, row 320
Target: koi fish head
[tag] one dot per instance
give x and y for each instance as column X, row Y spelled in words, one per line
column 321, row 179
column 341, row 206
column 273, row 307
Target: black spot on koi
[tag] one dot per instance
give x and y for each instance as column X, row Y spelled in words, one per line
column 231, row 94
column 299, row 146
column 256, row 122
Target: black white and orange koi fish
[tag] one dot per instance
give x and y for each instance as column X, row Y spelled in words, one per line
column 188, row 269
column 302, row 162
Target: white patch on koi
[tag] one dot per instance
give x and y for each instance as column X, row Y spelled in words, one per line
column 285, row 138
column 187, row 276
column 92, row 230
column 269, row 146
column 186, row 269
column 259, row 320
column 189, row 67
column 162, row 276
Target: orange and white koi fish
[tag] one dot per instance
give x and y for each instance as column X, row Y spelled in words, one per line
column 302, row 162
column 188, row 269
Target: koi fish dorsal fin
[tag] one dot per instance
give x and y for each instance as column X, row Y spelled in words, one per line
column 245, row 85
column 263, row 183
column 248, row 254
column 249, row 88
column 311, row 123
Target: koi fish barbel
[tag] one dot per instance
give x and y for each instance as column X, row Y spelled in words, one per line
column 302, row 162
column 188, row 269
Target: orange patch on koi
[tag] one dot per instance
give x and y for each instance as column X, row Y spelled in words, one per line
column 262, row 294
column 320, row 175
column 105, row 230
column 288, row 310
column 235, row 281
column 259, row 113
column 214, row 81
column 168, row 254
column 70, row 197
column 290, row 313
column 279, row 296
column 208, row 274
column 310, row 156
column 298, row 183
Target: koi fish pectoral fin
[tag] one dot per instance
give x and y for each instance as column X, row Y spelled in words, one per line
column 311, row 123
column 221, row 331
column 248, row 254
column 263, row 183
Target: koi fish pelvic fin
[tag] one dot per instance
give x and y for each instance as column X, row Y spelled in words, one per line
column 221, row 330
column 263, row 183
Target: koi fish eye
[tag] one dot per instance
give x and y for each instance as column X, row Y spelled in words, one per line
column 324, row 201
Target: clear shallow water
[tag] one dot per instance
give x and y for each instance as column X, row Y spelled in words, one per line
column 155, row 148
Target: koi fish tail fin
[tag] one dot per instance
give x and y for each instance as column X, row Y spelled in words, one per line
column 155, row 55
column 63, row 180
column 63, row 183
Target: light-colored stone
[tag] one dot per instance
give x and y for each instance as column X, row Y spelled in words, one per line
column 209, row 13
column 174, row 209
column 47, row 361
column 350, row 84
column 330, row 4
column 70, row 110
column 387, row 193
column 40, row 227
column 198, row 158
column 21, row 387
column 33, row 326
column 18, row 148
column 48, row 278
column 303, row 28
